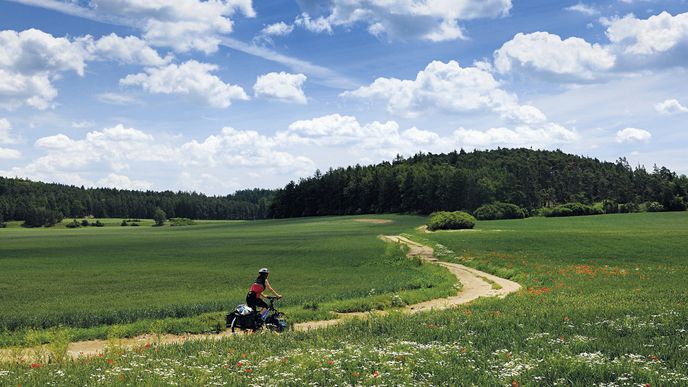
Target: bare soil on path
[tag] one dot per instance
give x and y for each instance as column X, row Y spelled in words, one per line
column 475, row 284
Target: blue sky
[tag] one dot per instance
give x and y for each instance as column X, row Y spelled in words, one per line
column 215, row 96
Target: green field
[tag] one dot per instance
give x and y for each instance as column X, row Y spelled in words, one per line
column 93, row 277
column 603, row 303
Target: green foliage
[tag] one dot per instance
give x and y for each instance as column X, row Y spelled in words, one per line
column 124, row 223
column 425, row 183
column 456, row 220
column 677, row 203
column 572, row 209
column 73, row 224
column 98, row 223
column 499, row 210
column 2, row 222
column 175, row 222
column 39, row 217
column 159, row 217
column 627, row 208
column 85, row 223
column 19, row 198
column 654, row 207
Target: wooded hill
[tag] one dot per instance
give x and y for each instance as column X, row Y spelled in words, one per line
column 464, row 181
column 20, row 198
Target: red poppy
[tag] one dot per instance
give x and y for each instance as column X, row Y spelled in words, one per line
column 376, row 374
column 110, row 361
column 35, row 365
column 514, row 383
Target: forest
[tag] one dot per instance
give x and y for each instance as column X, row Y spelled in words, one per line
column 423, row 183
column 531, row 179
column 22, row 199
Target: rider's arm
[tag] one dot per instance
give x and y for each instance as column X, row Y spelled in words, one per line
column 267, row 285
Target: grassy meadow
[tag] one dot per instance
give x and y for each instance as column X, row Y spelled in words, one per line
column 185, row 277
column 603, row 303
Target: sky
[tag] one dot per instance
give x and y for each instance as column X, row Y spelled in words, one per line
column 220, row 95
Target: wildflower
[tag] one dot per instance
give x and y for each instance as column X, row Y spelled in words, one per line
column 35, row 365
column 567, row 318
column 376, row 374
column 110, row 361
column 248, row 370
column 243, row 355
column 654, row 358
column 147, row 345
column 355, row 374
column 284, row 360
column 514, row 383
column 330, row 362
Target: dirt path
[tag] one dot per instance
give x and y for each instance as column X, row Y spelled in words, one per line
column 475, row 284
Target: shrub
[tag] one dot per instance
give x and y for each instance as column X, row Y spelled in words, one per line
column 40, row 216
column 654, row 207
column 181, row 222
column 2, row 222
column 610, row 206
column 135, row 224
column 572, row 209
column 98, row 223
column 73, row 224
column 627, row 208
column 498, row 210
column 124, row 223
column 456, row 220
column 676, row 204
column 84, row 222
column 159, row 216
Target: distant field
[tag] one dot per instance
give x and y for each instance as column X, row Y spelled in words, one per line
column 603, row 304
column 90, row 276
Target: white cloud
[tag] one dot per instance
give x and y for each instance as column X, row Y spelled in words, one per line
column 548, row 53
column 281, row 86
column 7, row 153
column 444, row 86
column 6, row 132
column 434, row 20
column 671, row 106
column 657, row 34
column 184, row 25
column 189, row 78
column 277, row 29
column 584, row 9
column 545, row 135
column 127, row 50
column 113, row 180
column 633, row 135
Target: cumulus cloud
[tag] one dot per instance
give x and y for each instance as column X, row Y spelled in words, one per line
column 434, row 20
column 657, row 34
column 189, row 78
column 7, row 153
column 184, row 25
column 547, row 134
column 548, row 53
column 117, row 99
column 671, row 106
column 31, row 60
column 277, row 29
column 633, row 135
column 281, row 86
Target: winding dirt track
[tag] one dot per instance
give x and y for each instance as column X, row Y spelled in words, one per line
column 475, row 284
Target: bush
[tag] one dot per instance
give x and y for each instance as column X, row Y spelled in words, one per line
column 2, row 222
column 676, row 204
column 40, row 216
column 498, row 210
column 181, row 222
column 85, row 223
column 159, row 216
column 124, row 223
column 98, row 223
column 73, row 224
column 456, row 220
column 653, row 207
column 627, row 208
column 572, row 209
column 610, row 206
column 135, row 224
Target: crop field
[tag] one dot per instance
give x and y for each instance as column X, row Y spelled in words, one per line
column 92, row 278
column 603, row 303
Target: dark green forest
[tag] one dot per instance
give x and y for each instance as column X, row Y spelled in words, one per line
column 425, row 183
column 21, row 199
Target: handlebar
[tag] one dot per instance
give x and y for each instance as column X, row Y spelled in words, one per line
column 272, row 297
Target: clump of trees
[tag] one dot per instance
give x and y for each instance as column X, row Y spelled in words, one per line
column 176, row 222
column 456, row 220
column 20, row 198
column 159, row 217
column 84, row 223
column 425, row 183
column 499, row 210
column 39, row 217
column 572, row 209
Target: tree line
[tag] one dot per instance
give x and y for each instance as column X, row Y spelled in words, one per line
column 425, row 183
column 48, row 203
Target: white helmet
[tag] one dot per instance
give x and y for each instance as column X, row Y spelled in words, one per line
column 263, row 271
